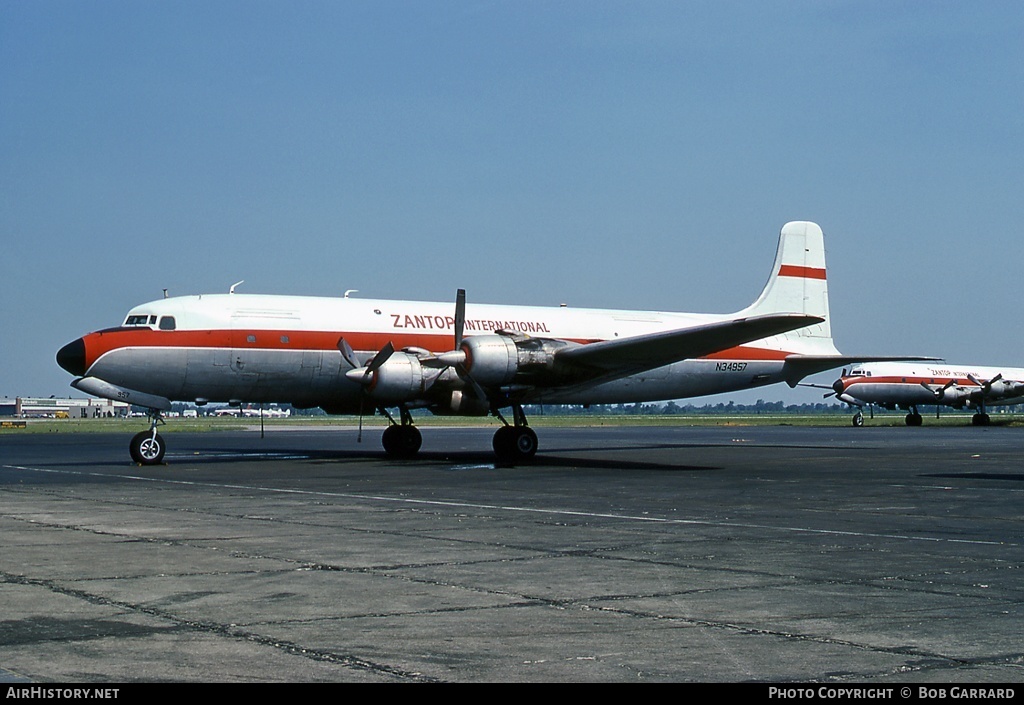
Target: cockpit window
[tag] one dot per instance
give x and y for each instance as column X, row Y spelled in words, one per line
column 146, row 319
column 167, row 323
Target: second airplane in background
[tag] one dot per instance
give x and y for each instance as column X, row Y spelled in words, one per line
column 896, row 385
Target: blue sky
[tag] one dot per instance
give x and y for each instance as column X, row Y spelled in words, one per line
column 610, row 154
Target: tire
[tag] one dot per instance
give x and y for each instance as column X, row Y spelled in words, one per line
column 515, row 443
column 401, row 441
column 858, row 419
column 503, row 442
column 147, row 449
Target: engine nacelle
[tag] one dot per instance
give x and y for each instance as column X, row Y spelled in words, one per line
column 1003, row 389
column 497, row 360
column 399, row 379
column 954, row 396
column 492, row 360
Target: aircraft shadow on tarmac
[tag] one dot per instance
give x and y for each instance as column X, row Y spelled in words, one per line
column 588, row 458
column 464, row 458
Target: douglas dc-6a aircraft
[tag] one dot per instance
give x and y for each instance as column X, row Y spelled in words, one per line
column 909, row 385
column 347, row 355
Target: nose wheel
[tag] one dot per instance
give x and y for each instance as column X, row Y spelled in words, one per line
column 147, row 447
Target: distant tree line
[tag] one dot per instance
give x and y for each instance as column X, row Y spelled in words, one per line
column 670, row 408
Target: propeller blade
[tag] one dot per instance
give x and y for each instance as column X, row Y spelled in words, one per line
column 347, row 353
column 380, row 358
column 460, row 316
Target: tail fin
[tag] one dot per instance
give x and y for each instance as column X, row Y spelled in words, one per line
column 798, row 285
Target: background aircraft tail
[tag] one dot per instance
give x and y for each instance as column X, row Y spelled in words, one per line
column 798, row 285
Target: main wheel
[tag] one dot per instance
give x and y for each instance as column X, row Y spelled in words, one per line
column 981, row 419
column 913, row 419
column 515, row 443
column 401, row 441
column 147, row 449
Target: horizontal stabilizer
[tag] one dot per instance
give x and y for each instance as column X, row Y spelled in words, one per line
column 796, row 367
column 646, row 352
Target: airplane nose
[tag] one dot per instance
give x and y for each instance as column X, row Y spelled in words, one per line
column 72, row 357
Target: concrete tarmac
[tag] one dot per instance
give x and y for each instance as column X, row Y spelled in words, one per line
column 766, row 554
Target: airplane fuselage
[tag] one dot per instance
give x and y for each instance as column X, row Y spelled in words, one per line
column 350, row 355
column 258, row 348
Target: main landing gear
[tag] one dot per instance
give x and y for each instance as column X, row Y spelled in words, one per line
column 515, row 442
column 401, row 440
column 147, row 447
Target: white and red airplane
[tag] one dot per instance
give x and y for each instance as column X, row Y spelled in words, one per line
column 347, row 355
column 907, row 386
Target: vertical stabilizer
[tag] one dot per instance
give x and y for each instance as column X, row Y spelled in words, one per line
column 798, row 284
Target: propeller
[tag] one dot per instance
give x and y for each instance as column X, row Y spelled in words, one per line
column 363, row 375
column 838, row 387
column 939, row 393
column 986, row 385
column 457, row 358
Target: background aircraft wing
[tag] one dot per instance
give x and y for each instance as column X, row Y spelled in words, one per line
column 646, row 352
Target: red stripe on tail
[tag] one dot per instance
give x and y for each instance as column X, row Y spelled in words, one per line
column 792, row 270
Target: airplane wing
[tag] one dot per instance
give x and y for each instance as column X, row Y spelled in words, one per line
column 796, row 367
column 619, row 358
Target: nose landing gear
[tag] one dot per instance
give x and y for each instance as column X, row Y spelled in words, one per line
column 147, row 447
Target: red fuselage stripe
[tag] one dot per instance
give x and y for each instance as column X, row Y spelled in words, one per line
column 849, row 382
column 100, row 343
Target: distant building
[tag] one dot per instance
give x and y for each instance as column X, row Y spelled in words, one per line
column 53, row 407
